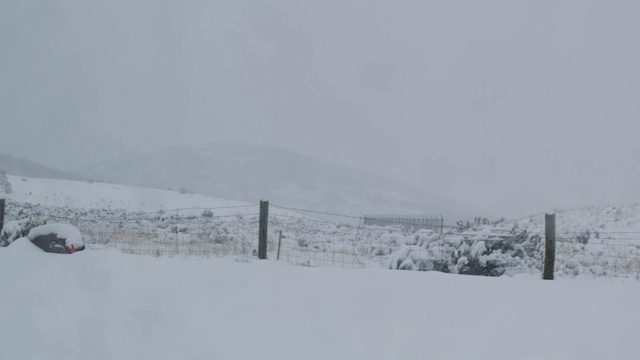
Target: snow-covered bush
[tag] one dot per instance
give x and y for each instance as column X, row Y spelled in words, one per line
column 477, row 222
column 15, row 229
column 583, row 237
column 489, row 250
column 11, row 232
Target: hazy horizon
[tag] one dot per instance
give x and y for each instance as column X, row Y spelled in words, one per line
column 510, row 106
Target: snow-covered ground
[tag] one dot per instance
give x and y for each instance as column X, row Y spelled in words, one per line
column 108, row 305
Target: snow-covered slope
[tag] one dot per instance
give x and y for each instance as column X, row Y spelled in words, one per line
column 250, row 173
column 96, row 195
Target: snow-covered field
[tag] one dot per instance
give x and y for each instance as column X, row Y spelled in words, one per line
column 137, row 220
column 217, row 301
column 109, row 305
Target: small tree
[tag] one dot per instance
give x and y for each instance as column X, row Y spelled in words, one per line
column 4, row 183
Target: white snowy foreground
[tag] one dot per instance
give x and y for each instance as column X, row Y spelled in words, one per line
column 107, row 305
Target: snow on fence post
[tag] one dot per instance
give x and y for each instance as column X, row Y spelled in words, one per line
column 549, row 245
column 262, row 230
column 2, row 204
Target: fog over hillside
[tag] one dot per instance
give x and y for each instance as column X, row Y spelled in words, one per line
column 157, row 127
column 250, row 173
column 513, row 105
column 22, row 167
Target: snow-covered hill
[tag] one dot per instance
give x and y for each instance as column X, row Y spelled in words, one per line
column 249, row 173
column 596, row 219
column 97, row 195
column 22, row 167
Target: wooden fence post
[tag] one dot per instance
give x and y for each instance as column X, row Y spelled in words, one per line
column 279, row 243
column 177, row 248
column 2, row 205
column 263, row 230
column 549, row 245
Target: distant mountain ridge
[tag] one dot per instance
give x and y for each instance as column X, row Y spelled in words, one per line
column 250, row 173
column 22, row 167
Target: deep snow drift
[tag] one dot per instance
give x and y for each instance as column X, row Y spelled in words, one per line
column 104, row 304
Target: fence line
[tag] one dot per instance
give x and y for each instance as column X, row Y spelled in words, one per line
column 414, row 222
column 313, row 241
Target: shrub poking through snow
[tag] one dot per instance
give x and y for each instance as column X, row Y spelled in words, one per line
column 11, row 231
column 488, row 250
column 57, row 238
column 583, row 237
column 16, row 229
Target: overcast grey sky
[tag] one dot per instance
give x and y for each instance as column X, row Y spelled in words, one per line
column 511, row 106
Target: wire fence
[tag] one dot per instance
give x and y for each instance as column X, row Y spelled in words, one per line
column 413, row 222
column 395, row 246
column 323, row 239
column 192, row 231
column 580, row 253
column 163, row 244
column 176, row 235
column 610, row 254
